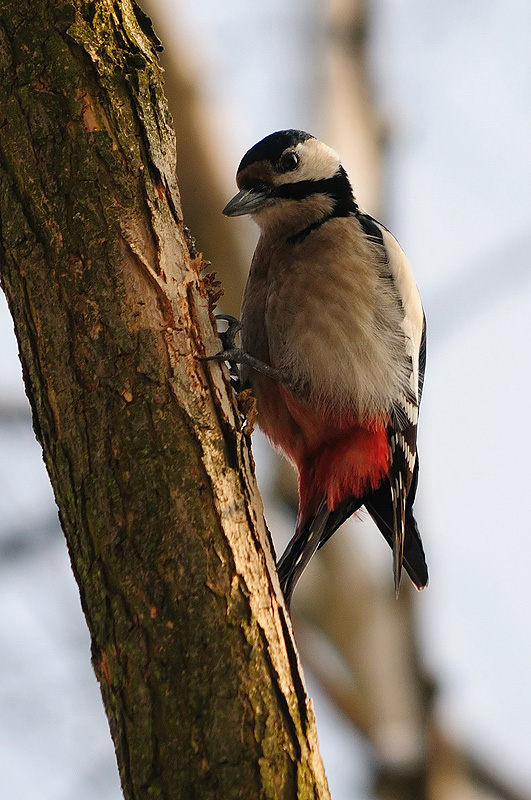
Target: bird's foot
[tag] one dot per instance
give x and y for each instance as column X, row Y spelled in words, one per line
column 235, row 355
column 229, row 352
column 228, row 336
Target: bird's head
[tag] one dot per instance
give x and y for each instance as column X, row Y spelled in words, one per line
column 293, row 179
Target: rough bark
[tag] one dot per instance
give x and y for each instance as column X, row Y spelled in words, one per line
column 151, row 473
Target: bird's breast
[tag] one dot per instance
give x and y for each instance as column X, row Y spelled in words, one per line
column 323, row 313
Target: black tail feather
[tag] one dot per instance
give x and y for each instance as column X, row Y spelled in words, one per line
column 300, row 550
column 380, row 507
column 312, row 534
column 340, row 515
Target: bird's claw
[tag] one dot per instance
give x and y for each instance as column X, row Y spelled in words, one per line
column 230, row 352
column 227, row 337
column 232, row 355
column 235, row 355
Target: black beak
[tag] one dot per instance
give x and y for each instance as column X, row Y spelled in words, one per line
column 246, row 202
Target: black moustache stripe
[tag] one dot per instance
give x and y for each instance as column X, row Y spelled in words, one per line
column 338, row 188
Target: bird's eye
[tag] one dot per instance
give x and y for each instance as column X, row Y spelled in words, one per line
column 289, row 162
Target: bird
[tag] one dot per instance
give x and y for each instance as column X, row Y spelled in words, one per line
column 333, row 346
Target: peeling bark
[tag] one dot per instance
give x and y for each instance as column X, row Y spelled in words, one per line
column 152, row 475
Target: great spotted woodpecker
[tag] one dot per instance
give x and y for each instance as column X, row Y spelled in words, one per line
column 333, row 346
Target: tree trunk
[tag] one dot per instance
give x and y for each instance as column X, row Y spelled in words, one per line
column 151, row 473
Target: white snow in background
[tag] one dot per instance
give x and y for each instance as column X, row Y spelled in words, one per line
column 454, row 82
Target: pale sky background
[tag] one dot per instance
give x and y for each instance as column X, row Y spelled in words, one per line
column 454, row 83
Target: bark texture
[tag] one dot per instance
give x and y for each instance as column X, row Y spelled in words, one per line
column 151, row 473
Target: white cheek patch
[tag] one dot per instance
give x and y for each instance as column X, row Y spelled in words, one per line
column 317, row 162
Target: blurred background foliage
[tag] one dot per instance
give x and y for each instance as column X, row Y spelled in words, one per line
column 429, row 105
